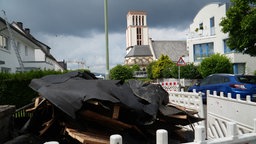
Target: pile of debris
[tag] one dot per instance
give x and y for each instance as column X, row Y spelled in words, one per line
column 76, row 107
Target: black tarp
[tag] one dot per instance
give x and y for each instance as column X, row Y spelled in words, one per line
column 70, row 91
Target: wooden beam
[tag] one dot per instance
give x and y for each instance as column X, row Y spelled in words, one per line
column 87, row 137
column 116, row 112
column 106, row 121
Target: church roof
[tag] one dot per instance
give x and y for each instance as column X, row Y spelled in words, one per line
column 139, row 51
column 173, row 49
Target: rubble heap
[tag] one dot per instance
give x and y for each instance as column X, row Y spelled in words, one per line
column 76, row 107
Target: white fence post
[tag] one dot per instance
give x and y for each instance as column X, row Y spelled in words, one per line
column 161, row 136
column 254, row 125
column 200, row 134
column 52, row 142
column 232, row 130
column 116, row 139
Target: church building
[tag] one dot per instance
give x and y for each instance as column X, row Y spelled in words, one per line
column 142, row 50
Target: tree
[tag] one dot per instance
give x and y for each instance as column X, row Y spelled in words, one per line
column 166, row 72
column 240, row 23
column 135, row 68
column 189, row 71
column 163, row 62
column 216, row 63
column 120, row 72
column 150, row 69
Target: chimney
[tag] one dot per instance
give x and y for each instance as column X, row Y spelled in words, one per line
column 20, row 25
column 27, row 30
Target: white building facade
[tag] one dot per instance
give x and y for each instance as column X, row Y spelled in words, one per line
column 206, row 38
column 34, row 54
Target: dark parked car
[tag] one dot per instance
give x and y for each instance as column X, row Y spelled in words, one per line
column 227, row 83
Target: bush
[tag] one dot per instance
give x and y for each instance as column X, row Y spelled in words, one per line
column 120, row 72
column 216, row 63
column 15, row 90
column 189, row 71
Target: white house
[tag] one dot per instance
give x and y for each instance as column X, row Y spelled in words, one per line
column 206, row 38
column 34, row 55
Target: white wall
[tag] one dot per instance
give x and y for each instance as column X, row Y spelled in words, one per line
column 218, row 11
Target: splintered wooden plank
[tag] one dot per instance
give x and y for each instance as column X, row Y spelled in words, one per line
column 116, row 112
column 87, row 137
column 107, row 121
column 179, row 116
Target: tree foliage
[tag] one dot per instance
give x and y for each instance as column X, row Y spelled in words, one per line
column 240, row 22
column 166, row 72
column 162, row 63
column 135, row 68
column 165, row 68
column 150, row 70
column 216, row 63
column 189, row 71
column 120, row 72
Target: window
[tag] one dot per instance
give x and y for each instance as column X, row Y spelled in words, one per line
column 226, row 48
column 3, row 42
column 139, row 20
column 201, row 26
column 212, row 22
column 139, row 36
column 219, row 79
column 142, row 19
column 239, row 68
column 136, row 20
column 133, row 20
column 247, row 79
column 202, row 51
column 26, row 51
column 5, row 70
column 205, row 81
column 212, row 26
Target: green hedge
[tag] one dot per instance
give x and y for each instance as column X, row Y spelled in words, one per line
column 15, row 90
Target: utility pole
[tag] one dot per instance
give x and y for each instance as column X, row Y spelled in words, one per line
column 106, row 37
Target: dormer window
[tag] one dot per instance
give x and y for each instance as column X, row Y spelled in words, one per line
column 201, row 27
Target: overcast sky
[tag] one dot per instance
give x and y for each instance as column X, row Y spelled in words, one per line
column 74, row 29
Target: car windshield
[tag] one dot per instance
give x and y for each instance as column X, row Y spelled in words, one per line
column 247, row 79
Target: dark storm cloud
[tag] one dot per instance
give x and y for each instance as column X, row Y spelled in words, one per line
column 81, row 17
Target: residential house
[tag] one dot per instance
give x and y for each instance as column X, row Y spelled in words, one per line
column 206, row 38
column 31, row 53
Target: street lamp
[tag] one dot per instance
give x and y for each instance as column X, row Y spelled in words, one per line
column 106, row 37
